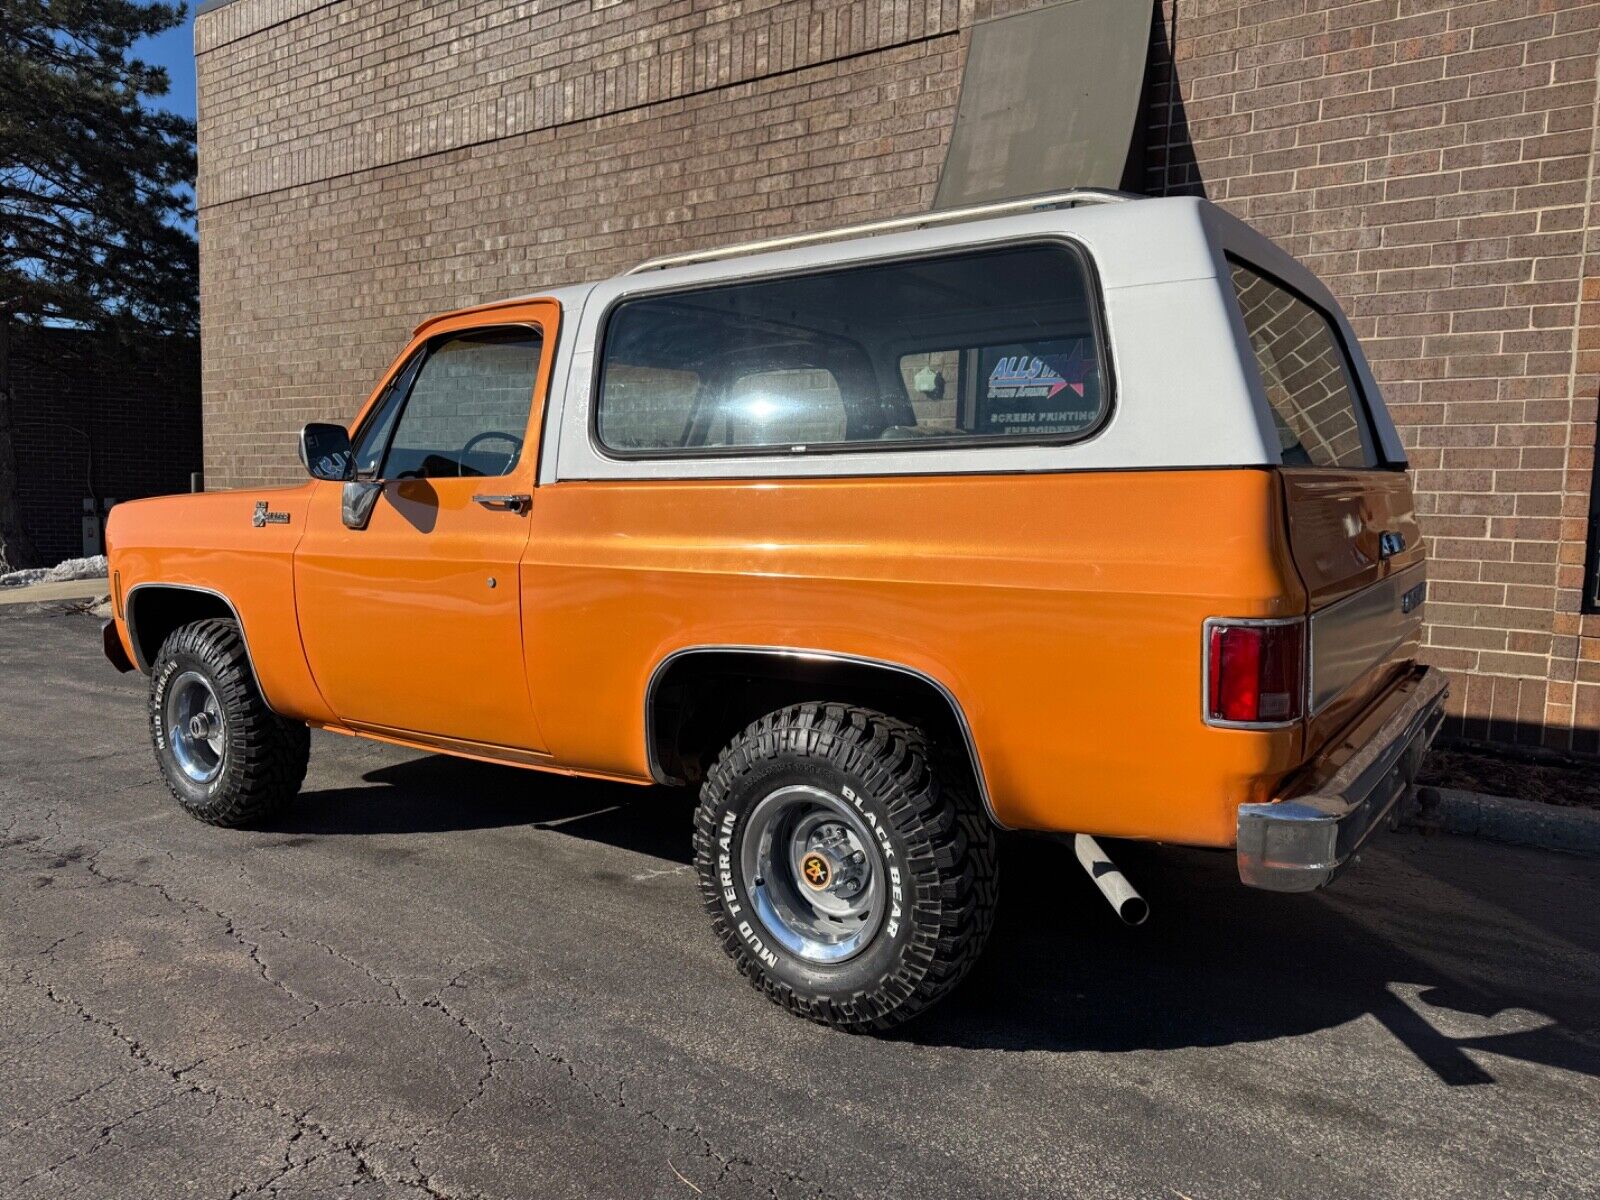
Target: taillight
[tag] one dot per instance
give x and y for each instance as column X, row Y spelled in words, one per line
column 1255, row 672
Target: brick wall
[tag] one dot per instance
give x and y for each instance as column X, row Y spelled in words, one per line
column 1434, row 163
column 366, row 162
column 99, row 419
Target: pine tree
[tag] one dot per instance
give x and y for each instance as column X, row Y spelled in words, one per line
column 95, row 190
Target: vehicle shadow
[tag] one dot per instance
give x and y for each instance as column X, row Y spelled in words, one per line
column 1446, row 954
column 438, row 793
column 1219, row 964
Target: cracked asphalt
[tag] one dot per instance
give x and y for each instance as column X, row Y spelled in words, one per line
column 435, row 978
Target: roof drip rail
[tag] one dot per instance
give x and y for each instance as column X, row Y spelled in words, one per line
column 947, row 216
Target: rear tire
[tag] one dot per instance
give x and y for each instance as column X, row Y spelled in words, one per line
column 850, row 874
column 227, row 758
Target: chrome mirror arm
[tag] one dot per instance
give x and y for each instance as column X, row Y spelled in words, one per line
column 359, row 498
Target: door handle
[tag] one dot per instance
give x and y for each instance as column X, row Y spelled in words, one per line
column 515, row 503
column 1390, row 543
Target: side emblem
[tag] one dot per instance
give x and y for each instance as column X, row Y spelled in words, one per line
column 265, row 516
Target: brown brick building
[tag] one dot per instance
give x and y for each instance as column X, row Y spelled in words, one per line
column 366, row 162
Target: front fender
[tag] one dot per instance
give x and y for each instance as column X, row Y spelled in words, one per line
column 238, row 545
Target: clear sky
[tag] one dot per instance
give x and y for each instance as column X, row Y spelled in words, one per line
column 174, row 50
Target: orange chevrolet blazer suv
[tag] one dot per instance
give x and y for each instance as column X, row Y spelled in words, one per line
column 1080, row 515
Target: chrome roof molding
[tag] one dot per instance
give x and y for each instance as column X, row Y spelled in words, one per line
column 948, row 216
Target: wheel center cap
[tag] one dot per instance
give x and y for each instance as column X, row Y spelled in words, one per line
column 200, row 726
column 816, row 871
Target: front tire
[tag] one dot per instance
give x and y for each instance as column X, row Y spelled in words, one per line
column 850, row 875
column 227, row 758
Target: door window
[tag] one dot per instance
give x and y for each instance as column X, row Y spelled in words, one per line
column 373, row 439
column 1306, row 374
column 467, row 410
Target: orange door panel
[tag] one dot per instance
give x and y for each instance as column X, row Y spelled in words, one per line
column 414, row 623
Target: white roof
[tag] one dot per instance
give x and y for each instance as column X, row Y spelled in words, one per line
column 1186, row 392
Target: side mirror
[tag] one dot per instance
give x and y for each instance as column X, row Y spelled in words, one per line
column 356, row 504
column 325, row 451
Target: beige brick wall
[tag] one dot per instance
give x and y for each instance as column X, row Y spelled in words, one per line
column 367, row 162
column 309, row 287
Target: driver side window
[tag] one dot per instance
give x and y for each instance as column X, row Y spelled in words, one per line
column 468, row 407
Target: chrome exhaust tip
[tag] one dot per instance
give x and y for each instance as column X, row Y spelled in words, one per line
column 1113, row 885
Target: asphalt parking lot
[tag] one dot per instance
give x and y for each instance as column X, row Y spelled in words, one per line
column 435, row 978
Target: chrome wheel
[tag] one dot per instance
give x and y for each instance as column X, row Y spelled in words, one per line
column 194, row 726
column 814, row 873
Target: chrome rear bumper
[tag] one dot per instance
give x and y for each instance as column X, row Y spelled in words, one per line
column 1300, row 843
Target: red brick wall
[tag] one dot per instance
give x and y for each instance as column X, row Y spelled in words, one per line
column 366, row 162
column 1434, row 163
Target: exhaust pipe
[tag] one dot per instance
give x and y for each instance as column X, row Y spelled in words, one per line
column 1113, row 885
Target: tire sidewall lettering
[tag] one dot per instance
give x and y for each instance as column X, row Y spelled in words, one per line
column 882, row 956
column 182, row 660
column 158, row 704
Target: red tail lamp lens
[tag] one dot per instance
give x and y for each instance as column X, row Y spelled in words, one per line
column 1255, row 673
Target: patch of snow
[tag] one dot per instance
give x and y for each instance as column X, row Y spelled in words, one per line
column 63, row 572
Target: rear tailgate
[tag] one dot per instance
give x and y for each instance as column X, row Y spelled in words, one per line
column 1354, row 540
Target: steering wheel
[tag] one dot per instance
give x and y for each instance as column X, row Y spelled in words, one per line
column 491, row 435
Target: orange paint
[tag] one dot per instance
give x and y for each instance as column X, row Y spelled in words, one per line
column 1064, row 611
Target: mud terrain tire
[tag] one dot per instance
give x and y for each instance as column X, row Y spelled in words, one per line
column 253, row 761
column 915, row 809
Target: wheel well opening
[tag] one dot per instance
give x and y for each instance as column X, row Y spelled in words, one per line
column 155, row 612
column 701, row 701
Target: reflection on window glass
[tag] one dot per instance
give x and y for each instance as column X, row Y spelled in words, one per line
column 793, row 406
column 1305, row 373
column 996, row 345
column 374, row 436
column 659, row 400
column 467, row 413
column 932, row 383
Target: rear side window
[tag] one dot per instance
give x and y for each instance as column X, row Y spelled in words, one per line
column 1307, row 376
column 998, row 345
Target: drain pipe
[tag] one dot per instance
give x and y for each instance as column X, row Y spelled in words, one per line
column 1113, row 885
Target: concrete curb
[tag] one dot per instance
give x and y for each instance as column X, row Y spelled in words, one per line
column 1505, row 819
column 43, row 593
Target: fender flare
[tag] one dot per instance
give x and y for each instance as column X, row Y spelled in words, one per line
column 129, row 609
column 660, row 775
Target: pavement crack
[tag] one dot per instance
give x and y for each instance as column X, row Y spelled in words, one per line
column 300, row 1123
column 103, row 1138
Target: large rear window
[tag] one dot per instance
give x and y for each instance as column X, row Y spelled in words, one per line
column 1306, row 373
column 990, row 346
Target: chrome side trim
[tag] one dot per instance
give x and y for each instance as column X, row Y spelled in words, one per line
column 660, row 776
column 948, row 216
column 130, row 608
column 1350, row 637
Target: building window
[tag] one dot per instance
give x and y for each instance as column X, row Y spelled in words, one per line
column 1591, row 567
